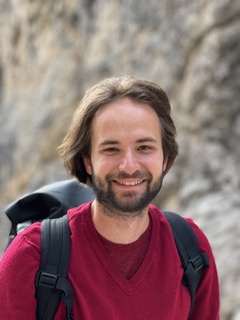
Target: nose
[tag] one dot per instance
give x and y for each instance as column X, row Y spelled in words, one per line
column 129, row 162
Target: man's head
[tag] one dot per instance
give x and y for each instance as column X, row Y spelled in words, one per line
column 77, row 143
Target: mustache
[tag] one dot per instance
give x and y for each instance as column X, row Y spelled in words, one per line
column 124, row 175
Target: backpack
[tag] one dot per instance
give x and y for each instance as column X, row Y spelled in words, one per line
column 49, row 205
column 50, row 201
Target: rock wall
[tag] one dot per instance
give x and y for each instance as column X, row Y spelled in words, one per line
column 51, row 51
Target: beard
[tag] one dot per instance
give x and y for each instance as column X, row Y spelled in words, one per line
column 129, row 203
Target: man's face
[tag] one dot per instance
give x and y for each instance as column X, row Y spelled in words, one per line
column 126, row 162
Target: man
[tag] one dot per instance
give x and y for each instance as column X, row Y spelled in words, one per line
column 124, row 263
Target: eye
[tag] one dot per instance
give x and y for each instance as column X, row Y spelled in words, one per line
column 145, row 148
column 111, row 150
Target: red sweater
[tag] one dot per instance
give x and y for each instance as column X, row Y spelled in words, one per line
column 155, row 292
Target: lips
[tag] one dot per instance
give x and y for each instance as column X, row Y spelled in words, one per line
column 126, row 180
column 129, row 183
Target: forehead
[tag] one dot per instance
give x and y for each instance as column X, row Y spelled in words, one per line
column 125, row 107
column 126, row 117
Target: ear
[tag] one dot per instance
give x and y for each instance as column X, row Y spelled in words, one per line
column 165, row 162
column 88, row 165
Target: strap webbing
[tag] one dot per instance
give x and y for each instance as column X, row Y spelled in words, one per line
column 51, row 283
column 193, row 260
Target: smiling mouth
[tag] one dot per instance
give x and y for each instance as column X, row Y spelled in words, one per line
column 129, row 183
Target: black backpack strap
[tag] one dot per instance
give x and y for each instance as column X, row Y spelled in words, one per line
column 193, row 260
column 51, row 283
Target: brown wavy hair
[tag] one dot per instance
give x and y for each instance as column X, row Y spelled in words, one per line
column 77, row 141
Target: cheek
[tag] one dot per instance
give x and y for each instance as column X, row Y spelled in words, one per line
column 157, row 171
column 97, row 165
column 102, row 166
column 157, row 166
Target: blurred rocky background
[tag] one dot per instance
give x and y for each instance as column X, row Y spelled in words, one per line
column 51, row 51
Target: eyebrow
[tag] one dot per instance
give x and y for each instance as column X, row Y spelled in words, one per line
column 147, row 139
column 107, row 142
column 115, row 142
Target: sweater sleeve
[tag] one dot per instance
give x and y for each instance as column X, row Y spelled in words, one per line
column 18, row 268
column 207, row 301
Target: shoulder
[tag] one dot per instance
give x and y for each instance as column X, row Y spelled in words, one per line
column 79, row 214
column 207, row 296
column 26, row 243
column 23, row 255
column 202, row 238
column 18, row 267
column 79, row 219
column 29, row 237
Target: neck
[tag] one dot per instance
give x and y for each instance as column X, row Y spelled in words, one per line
column 118, row 228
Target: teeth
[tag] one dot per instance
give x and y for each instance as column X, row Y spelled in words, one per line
column 132, row 183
